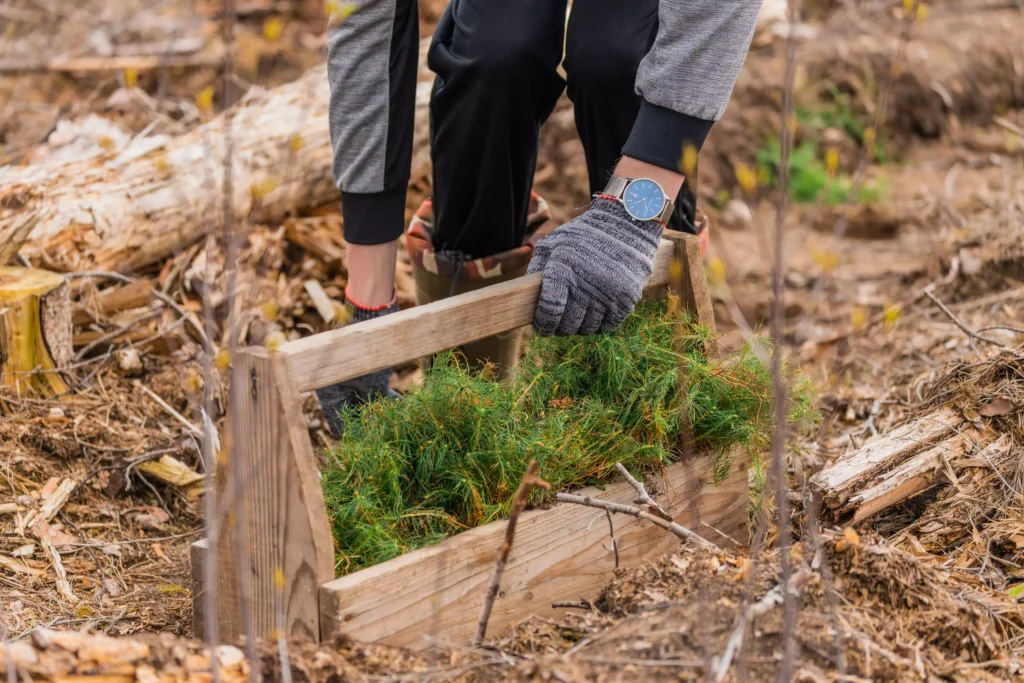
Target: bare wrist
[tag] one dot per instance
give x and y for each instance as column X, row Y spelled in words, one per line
column 671, row 181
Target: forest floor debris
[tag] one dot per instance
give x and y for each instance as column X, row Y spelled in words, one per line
column 924, row 589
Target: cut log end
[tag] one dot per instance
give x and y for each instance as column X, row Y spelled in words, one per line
column 35, row 331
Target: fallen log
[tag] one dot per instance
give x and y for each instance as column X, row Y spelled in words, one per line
column 896, row 467
column 125, row 210
column 35, row 331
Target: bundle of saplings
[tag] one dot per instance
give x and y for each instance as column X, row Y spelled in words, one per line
column 447, row 457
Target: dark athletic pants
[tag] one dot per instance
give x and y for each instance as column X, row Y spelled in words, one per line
column 497, row 83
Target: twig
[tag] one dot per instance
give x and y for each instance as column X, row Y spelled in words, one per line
column 529, row 482
column 779, row 389
column 1002, row 327
column 167, row 407
column 1008, row 125
column 772, row 598
column 611, row 532
column 92, row 552
column 572, row 604
column 612, row 661
column 113, row 334
column 813, row 508
column 642, row 495
column 133, row 541
column 956, row 321
column 677, row 529
column 207, row 344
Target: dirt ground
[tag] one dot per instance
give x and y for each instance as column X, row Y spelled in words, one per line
column 923, row 591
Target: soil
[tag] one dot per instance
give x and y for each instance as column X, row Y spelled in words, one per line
column 921, row 592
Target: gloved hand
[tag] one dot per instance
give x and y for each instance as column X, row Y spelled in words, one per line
column 595, row 268
column 335, row 399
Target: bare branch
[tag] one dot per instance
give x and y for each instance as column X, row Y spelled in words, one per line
column 677, row 529
column 529, row 482
column 611, row 531
column 642, row 495
column 956, row 321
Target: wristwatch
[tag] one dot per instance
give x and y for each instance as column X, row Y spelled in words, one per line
column 642, row 198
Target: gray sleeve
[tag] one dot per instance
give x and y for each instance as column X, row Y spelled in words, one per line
column 697, row 55
column 371, row 65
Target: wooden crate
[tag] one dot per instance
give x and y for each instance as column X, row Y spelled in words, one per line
column 275, row 551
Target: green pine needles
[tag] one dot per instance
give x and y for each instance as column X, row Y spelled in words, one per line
column 448, row 457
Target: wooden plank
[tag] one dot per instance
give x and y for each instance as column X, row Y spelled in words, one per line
column 286, row 548
column 692, row 284
column 840, row 480
column 561, row 553
column 334, row 356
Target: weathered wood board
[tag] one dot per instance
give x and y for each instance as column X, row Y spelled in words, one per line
column 562, row 553
column 329, row 357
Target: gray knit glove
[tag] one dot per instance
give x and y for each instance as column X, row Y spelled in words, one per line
column 335, row 399
column 595, row 268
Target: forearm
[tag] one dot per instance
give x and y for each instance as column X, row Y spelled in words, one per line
column 371, row 65
column 687, row 77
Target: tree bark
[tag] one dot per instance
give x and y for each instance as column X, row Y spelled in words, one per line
column 35, row 331
column 131, row 208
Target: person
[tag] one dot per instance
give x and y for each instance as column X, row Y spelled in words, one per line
column 647, row 78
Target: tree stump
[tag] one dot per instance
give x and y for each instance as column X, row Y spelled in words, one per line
column 35, row 331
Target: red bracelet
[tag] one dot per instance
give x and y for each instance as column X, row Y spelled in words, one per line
column 371, row 309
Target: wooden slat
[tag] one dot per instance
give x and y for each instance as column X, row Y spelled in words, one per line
column 330, row 357
column 280, row 514
column 562, row 553
column 693, row 285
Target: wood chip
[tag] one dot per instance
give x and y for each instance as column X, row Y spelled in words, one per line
column 325, row 305
column 63, row 585
column 171, row 471
column 18, row 567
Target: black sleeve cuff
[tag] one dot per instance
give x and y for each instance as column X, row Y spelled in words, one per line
column 374, row 218
column 659, row 136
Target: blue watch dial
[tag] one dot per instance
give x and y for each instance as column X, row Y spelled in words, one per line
column 643, row 199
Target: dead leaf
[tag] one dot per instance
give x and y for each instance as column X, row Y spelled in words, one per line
column 743, row 571
column 151, row 517
column 159, row 551
column 44, row 532
column 148, row 521
column 850, row 539
column 999, row 406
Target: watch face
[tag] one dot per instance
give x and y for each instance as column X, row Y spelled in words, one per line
column 644, row 199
